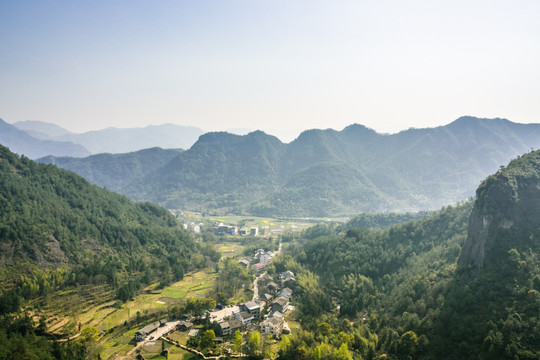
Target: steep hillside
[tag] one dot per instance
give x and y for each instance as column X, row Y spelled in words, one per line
column 111, row 170
column 53, row 218
column 496, row 291
column 21, row 142
column 220, row 171
column 461, row 283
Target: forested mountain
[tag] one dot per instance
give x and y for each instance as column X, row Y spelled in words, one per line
column 331, row 173
column 116, row 140
column 110, row 170
column 21, row 142
column 53, row 218
column 60, row 234
column 408, row 294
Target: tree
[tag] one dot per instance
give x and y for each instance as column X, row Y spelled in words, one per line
column 207, row 340
column 407, row 344
column 254, row 343
column 343, row 353
column 237, row 341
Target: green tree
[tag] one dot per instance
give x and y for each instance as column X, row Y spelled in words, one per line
column 207, row 340
column 407, row 344
column 237, row 341
column 254, row 343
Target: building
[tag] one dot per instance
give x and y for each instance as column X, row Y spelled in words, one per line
column 220, row 229
column 266, row 298
column 226, row 328
column 287, row 278
column 253, row 308
column 280, row 304
column 244, row 263
column 184, row 325
column 272, row 286
column 145, row 331
column 286, row 292
column 258, row 268
column 266, row 257
column 272, row 325
column 254, row 231
column 245, row 317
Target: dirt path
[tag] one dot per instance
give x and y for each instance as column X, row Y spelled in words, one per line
column 195, row 351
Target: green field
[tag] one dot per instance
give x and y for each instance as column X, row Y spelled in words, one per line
column 196, row 284
column 70, row 311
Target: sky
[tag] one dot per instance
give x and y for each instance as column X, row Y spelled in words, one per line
column 277, row 66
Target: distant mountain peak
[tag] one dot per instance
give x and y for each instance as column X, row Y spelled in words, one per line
column 472, row 120
column 358, row 129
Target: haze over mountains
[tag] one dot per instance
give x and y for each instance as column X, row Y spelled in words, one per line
column 324, row 172
column 22, row 142
column 113, row 140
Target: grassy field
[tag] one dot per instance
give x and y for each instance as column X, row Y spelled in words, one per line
column 68, row 312
column 230, row 250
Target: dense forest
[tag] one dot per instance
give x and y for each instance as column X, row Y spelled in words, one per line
column 111, row 170
column 58, row 231
column 401, row 291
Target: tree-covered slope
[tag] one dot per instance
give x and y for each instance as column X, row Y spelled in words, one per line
column 111, row 170
column 51, row 218
column 221, row 170
column 405, row 283
column 493, row 306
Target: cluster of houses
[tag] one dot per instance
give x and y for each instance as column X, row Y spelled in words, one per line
column 275, row 300
column 223, row 229
column 259, row 261
column 193, row 226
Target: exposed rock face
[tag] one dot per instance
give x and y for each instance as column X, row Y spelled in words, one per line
column 506, row 213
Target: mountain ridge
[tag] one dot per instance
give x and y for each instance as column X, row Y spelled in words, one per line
column 118, row 140
column 21, row 142
column 416, row 169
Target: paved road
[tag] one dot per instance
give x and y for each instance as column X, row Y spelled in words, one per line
column 256, row 286
column 255, row 282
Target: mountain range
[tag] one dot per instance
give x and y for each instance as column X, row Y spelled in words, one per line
column 22, row 142
column 114, row 140
column 462, row 282
column 327, row 172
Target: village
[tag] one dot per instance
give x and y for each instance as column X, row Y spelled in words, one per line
column 265, row 314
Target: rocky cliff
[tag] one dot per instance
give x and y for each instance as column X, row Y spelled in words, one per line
column 506, row 212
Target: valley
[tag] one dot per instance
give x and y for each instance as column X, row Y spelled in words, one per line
column 264, row 180
column 90, row 274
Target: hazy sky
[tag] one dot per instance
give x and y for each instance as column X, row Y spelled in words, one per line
column 270, row 65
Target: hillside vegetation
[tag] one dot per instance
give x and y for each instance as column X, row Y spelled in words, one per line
column 111, row 170
column 58, row 230
column 409, row 296
column 65, row 242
